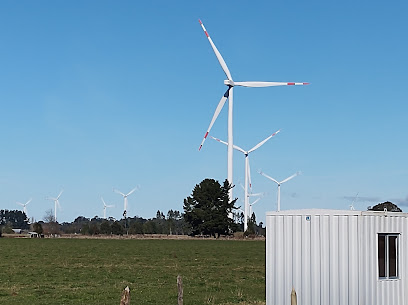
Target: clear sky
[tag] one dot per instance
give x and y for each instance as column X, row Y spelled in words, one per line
column 103, row 94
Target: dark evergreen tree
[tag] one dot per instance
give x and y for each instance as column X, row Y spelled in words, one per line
column 106, row 228
column 14, row 218
column 385, row 205
column 136, row 228
column 207, row 209
column 117, row 228
column 251, row 229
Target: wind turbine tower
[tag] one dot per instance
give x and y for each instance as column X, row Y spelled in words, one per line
column 56, row 203
column 104, row 207
column 229, row 95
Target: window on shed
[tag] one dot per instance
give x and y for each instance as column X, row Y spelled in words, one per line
column 388, row 256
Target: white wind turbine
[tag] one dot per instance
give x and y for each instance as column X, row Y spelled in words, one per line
column 247, row 172
column 251, row 204
column 229, row 95
column 104, row 207
column 24, row 205
column 56, row 203
column 279, row 183
column 125, row 196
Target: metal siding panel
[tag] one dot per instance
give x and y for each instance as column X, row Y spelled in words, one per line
column 315, row 259
column 325, row 262
column 403, row 260
column 353, row 256
column 270, row 239
column 343, row 260
column 372, row 256
column 363, row 244
column 334, row 255
column 280, row 275
column 297, row 252
column 288, row 256
column 305, row 295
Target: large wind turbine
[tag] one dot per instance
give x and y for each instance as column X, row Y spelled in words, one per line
column 24, row 205
column 247, row 172
column 56, row 203
column 229, row 95
column 125, row 196
column 278, row 183
column 104, row 207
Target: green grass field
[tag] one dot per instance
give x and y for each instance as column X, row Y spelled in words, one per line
column 95, row 271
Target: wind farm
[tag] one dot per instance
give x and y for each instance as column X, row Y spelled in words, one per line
column 99, row 97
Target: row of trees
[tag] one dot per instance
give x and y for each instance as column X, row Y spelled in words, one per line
column 173, row 224
column 13, row 219
column 207, row 212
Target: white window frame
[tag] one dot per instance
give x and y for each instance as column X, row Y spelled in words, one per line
column 387, row 267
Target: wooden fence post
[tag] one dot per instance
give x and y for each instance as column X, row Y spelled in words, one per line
column 180, row 290
column 125, row 299
column 293, row 297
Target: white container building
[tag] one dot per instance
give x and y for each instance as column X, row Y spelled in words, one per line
column 333, row 257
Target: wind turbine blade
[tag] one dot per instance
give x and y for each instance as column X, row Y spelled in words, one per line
column 110, row 206
column 267, row 84
column 234, row 146
column 119, row 192
column 287, row 179
column 255, row 201
column 256, row 194
column 60, row 194
column 263, row 142
column 217, row 53
column 104, row 203
column 19, row 203
column 216, row 113
column 58, row 204
column 240, row 149
column 270, row 178
column 132, row 191
column 29, row 201
column 218, row 140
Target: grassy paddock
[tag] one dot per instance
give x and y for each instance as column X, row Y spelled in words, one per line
column 95, row 271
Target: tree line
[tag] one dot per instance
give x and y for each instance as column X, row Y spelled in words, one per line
column 208, row 211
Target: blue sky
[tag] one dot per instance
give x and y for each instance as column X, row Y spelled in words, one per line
column 103, row 94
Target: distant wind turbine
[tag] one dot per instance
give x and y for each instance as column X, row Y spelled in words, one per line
column 104, row 207
column 250, row 206
column 125, row 196
column 24, row 205
column 229, row 95
column 352, row 204
column 56, row 203
column 247, row 172
column 279, row 183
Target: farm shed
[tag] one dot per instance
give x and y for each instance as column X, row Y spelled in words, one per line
column 337, row 257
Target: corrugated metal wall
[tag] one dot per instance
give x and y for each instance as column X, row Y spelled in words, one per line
column 330, row 257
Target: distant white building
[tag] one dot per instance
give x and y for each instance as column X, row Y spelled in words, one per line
column 336, row 257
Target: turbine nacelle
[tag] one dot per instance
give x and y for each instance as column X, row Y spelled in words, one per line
column 229, row 82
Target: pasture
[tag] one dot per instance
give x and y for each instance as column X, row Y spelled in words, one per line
column 95, row 271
